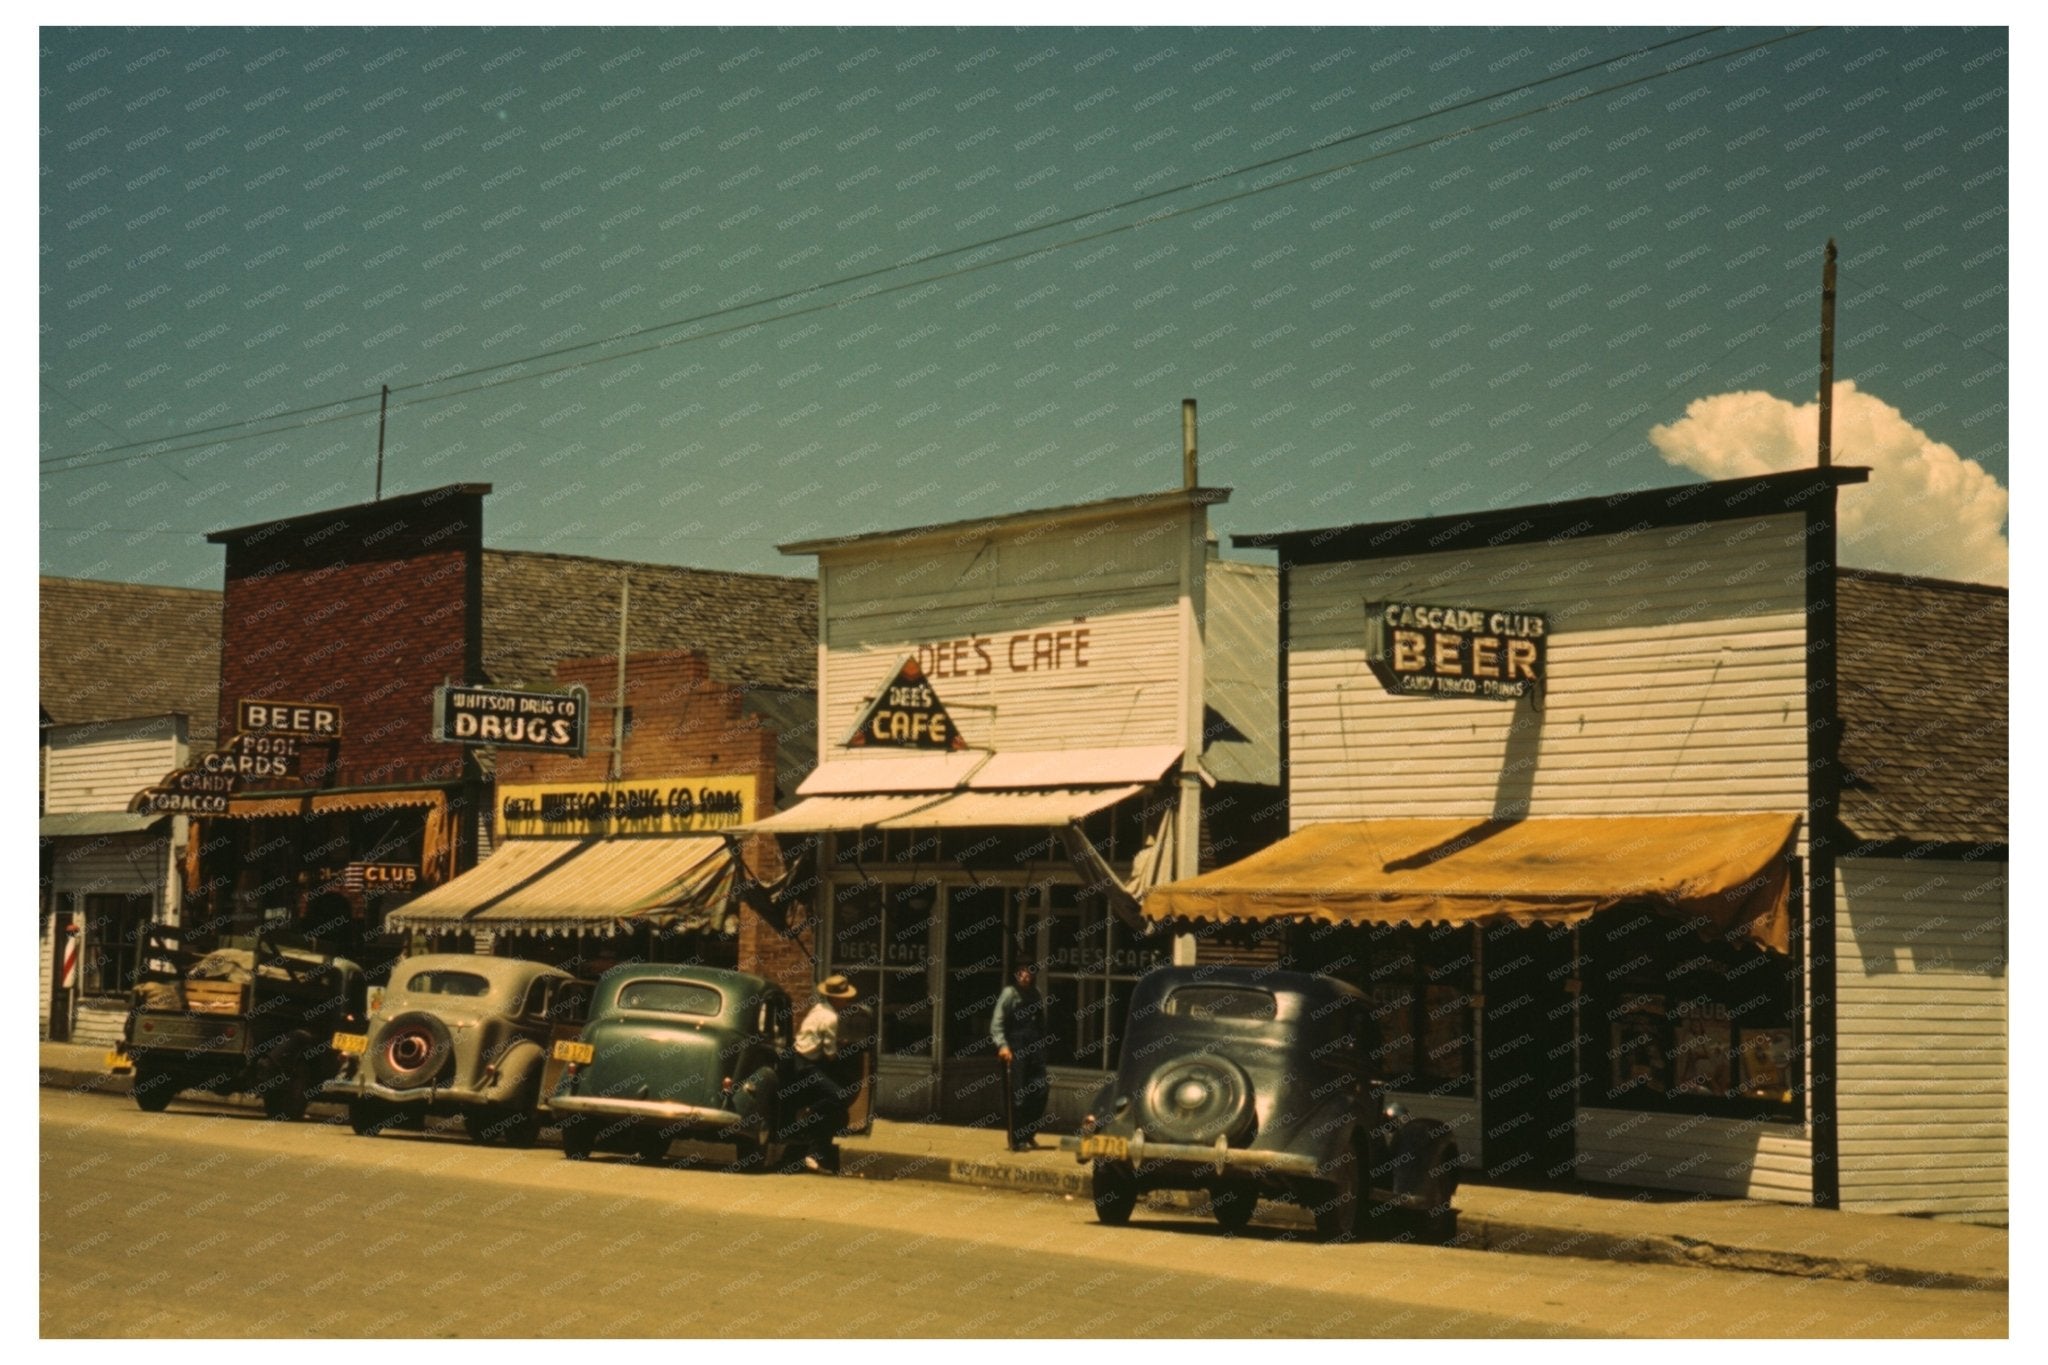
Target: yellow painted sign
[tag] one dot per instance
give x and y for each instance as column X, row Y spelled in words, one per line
column 658, row 805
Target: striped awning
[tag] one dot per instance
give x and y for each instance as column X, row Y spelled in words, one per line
column 556, row 886
column 270, row 805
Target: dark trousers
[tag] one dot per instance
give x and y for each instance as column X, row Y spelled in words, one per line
column 816, row 1088
column 1029, row 1091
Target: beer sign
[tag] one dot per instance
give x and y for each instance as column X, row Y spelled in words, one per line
column 1428, row 651
column 906, row 714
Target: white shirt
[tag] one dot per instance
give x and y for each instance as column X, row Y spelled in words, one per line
column 818, row 1037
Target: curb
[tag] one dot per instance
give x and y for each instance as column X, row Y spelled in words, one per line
column 1476, row 1231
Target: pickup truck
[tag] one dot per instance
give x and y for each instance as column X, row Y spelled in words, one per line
column 245, row 1015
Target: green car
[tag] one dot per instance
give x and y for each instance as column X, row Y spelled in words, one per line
column 702, row 1054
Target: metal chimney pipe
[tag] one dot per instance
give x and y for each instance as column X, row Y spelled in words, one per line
column 1187, row 443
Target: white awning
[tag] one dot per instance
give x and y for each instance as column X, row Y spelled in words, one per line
column 593, row 885
column 1007, row 771
column 1049, row 808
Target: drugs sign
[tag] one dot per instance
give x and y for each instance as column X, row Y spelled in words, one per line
column 551, row 721
column 1427, row 651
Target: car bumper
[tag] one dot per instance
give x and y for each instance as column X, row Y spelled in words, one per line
column 669, row 1113
column 1192, row 1157
column 361, row 1088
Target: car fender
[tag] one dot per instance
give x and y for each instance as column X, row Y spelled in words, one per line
column 519, row 1070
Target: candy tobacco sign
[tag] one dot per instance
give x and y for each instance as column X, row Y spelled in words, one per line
column 1428, row 651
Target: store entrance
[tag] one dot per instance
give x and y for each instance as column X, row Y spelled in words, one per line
column 976, row 923
column 1528, row 1090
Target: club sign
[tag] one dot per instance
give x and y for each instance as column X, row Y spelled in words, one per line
column 1429, row 651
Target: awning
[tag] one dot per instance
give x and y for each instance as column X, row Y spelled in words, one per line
column 1051, row 808
column 554, row 886
column 269, row 805
column 1006, row 771
column 1730, row 872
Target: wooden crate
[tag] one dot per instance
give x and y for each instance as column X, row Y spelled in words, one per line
column 214, row 997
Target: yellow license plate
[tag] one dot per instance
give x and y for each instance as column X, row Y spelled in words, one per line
column 570, row 1051
column 1106, row 1148
column 350, row 1044
column 118, row 1060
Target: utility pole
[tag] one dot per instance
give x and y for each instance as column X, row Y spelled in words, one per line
column 1827, row 358
column 383, row 403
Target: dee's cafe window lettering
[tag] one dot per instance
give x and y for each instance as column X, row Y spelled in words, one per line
column 881, row 935
column 1092, row 961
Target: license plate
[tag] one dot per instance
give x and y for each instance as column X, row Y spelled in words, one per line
column 570, row 1051
column 350, row 1044
column 118, row 1060
column 1106, row 1148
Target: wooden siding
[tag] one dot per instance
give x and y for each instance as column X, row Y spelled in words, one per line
column 1119, row 581
column 101, row 767
column 1922, row 949
column 1677, row 679
column 1724, row 1158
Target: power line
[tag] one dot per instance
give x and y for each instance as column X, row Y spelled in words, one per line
column 972, row 268
column 920, row 259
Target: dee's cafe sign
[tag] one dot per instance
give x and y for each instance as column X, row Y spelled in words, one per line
column 1432, row 651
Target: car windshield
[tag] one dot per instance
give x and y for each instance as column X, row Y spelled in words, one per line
column 670, row 997
column 448, row 983
column 1219, row 1002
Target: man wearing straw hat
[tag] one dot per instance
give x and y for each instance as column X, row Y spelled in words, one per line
column 816, row 1086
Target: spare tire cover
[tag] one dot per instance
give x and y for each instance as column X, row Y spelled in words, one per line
column 410, row 1051
column 1198, row 1099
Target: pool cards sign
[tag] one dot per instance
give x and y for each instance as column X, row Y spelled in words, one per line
column 1428, row 651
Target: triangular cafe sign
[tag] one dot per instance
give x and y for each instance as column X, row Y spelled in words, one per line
column 906, row 714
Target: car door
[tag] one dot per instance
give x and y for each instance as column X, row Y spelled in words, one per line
column 857, row 1054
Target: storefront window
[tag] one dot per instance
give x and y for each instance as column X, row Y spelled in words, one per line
column 881, row 940
column 1674, row 1022
column 1418, row 984
column 113, row 933
column 1092, row 962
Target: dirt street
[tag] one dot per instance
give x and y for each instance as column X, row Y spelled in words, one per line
column 217, row 1223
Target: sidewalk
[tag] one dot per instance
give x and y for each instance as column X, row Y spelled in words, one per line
column 1596, row 1222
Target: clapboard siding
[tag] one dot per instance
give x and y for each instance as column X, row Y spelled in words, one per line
column 101, row 767
column 1727, row 1158
column 1676, row 682
column 970, row 606
column 1921, row 950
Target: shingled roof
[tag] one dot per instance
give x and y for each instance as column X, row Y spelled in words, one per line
column 757, row 630
column 1923, row 697
column 112, row 651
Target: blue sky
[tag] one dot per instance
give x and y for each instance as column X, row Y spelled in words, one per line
column 826, row 281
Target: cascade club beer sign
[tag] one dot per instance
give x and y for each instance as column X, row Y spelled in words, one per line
column 1427, row 651
column 553, row 721
column 906, row 714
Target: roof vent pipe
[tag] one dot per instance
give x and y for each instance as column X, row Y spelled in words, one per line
column 1187, row 443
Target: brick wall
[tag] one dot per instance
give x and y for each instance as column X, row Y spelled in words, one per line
column 370, row 607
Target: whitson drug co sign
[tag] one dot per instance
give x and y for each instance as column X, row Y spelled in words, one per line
column 1428, row 651
column 550, row 721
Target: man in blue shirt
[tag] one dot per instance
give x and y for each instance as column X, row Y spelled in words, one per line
column 1018, row 1032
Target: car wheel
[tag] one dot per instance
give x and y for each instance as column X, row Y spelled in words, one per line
column 1439, row 1218
column 367, row 1117
column 284, row 1094
column 152, row 1090
column 483, row 1126
column 650, row 1151
column 522, row 1128
column 1232, row 1205
column 1116, row 1193
column 1336, row 1201
column 752, row 1154
column 408, row 1052
column 579, row 1138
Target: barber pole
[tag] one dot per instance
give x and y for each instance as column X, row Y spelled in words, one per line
column 68, row 978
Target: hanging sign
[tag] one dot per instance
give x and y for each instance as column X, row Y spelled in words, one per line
column 1426, row 651
column 308, row 720
column 550, row 721
column 906, row 714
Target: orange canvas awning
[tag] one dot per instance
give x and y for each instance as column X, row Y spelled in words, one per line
column 1730, row 872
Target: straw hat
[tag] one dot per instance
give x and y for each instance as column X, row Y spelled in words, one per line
column 837, row 988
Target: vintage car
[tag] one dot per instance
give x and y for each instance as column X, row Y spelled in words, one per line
column 458, row 1033
column 698, row 1053
column 1254, row 1084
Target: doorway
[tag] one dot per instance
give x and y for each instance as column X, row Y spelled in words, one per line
column 1528, row 1063
column 976, row 926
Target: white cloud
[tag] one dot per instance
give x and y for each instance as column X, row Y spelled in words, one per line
column 1926, row 510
